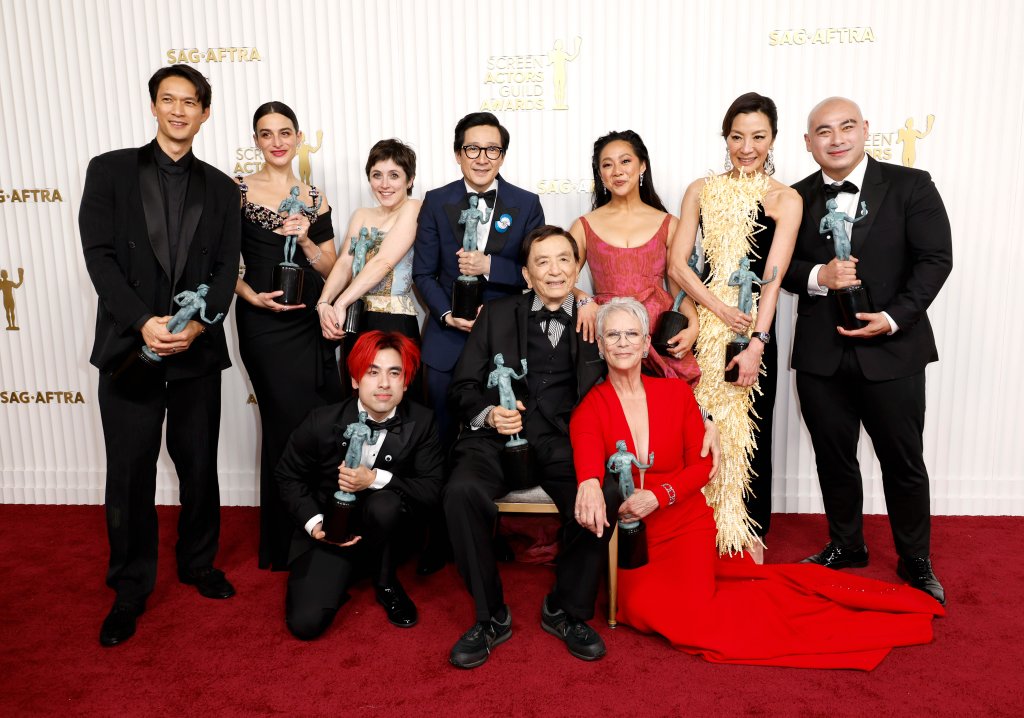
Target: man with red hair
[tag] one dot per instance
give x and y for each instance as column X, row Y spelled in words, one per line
column 399, row 476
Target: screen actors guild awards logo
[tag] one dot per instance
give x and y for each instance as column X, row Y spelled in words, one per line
column 559, row 58
column 7, row 287
column 519, row 82
column 304, row 151
column 908, row 137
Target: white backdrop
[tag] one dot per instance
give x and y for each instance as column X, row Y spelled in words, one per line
column 73, row 84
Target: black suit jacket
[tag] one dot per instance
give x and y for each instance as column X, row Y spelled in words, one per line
column 307, row 474
column 127, row 255
column 435, row 265
column 501, row 327
column 905, row 250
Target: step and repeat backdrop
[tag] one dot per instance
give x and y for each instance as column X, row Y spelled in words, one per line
column 938, row 82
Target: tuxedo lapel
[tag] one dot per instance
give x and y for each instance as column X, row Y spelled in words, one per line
column 454, row 203
column 498, row 238
column 395, row 444
column 153, row 208
column 522, row 318
column 349, row 414
column 190, row 217
column 873, row 193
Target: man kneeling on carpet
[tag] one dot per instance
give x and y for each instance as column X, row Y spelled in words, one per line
column 398, row 476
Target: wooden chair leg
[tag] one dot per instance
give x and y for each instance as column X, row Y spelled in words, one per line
column 613, row 576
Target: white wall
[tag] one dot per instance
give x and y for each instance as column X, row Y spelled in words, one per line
column 72, row 82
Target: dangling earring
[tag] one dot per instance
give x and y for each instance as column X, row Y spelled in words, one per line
column 769, row 163
column 645, row 353
column 605, row 188
column 641, row 179
column 728, row 162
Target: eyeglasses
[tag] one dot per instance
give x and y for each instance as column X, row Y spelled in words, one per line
column 631, row 336
column 473, row 151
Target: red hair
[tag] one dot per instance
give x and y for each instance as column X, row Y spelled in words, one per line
column 367, row 346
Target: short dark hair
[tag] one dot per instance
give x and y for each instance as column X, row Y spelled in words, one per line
column 543, row 232
column 402, row 154
column 203, row 90
column 648, row 195
column 274, row 108
column 748, row 103
column 476, row 119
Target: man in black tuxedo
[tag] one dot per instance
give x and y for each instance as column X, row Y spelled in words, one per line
column 156, row 221
column 538, row 327
column 875, row 376
column 400, row 476
column 480, row 146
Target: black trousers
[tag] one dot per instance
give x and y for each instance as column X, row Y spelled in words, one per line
column 476, row 480
column 759, row 501
column 319, row 578
column 892, row 413
column 133, row 420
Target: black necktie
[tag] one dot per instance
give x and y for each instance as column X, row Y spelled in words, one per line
column 487, row 197
column 831, row 190
column 394, row 424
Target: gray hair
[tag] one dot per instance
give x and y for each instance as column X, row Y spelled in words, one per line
column 629, row 306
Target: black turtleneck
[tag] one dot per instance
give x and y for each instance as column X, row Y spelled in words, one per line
column 173, row 188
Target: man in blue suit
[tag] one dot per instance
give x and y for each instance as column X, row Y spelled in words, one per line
column 480, row 146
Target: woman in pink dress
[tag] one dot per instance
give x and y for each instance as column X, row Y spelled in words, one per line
column 626, row 240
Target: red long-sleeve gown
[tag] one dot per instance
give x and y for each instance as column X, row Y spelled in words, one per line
column 732, row 610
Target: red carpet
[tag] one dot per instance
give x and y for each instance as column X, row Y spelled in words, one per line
column 194, row 656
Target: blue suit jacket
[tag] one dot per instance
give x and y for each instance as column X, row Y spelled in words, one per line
column 435, row 264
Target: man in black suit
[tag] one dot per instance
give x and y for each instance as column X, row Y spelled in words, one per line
column 873, row 376
column 399, row 477
column 156, row 221
column 538, row 327
column 480, row 146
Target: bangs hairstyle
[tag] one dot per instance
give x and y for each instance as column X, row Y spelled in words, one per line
column 203, row 91
column 367, row 346
column 397, row 151
column 541, row 233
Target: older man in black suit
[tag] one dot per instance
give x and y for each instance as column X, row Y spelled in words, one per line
column 156, row 221
column 875, row 375
column 398, row 477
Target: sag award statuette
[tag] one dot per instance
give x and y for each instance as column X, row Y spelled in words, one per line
column 467, row 291
column 337, row 517
column 851, row 299
column 632, row 534
column 744, row 279
column 672, row 321
column 191, row 303
column 515, row 456
column 358, row 248
column 288, row 275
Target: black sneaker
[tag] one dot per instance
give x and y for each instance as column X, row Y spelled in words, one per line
column 475, row 646
column 581, row 640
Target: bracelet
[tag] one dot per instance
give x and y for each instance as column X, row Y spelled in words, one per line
column 314, row 260
column 671, row 493
column 316, row 306
column 584, row 302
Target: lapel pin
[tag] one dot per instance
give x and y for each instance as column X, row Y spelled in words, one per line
column 503, row 223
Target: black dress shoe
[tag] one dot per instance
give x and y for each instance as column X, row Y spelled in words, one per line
column 581, row 640
column 833, row 556
column 919, row 574
column 210, row 582
column 399, row 607
column 119, row 625
column 474, row 647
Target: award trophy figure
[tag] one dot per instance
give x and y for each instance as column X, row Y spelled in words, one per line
column 358, row 248
column 632, row 534
column 338, row 516
column 744, row 279
column 851, row 299
column 191, row 303
column 515, row 456
column 288, row 275
column 672, row 321
column 467, row 291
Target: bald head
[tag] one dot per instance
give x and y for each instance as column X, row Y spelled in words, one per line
column 836, row 134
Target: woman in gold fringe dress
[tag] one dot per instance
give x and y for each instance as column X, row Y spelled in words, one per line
column 743, row 212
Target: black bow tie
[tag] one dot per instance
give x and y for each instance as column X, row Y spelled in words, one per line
column 545, row 315
column 394, row 424
column 489, row 196
column 831, row 190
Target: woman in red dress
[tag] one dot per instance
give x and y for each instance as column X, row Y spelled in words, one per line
column 727, row 610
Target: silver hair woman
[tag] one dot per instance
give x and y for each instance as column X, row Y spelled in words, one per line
column 623, row 304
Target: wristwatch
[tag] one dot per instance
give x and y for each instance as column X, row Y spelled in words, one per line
column 765, row 337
